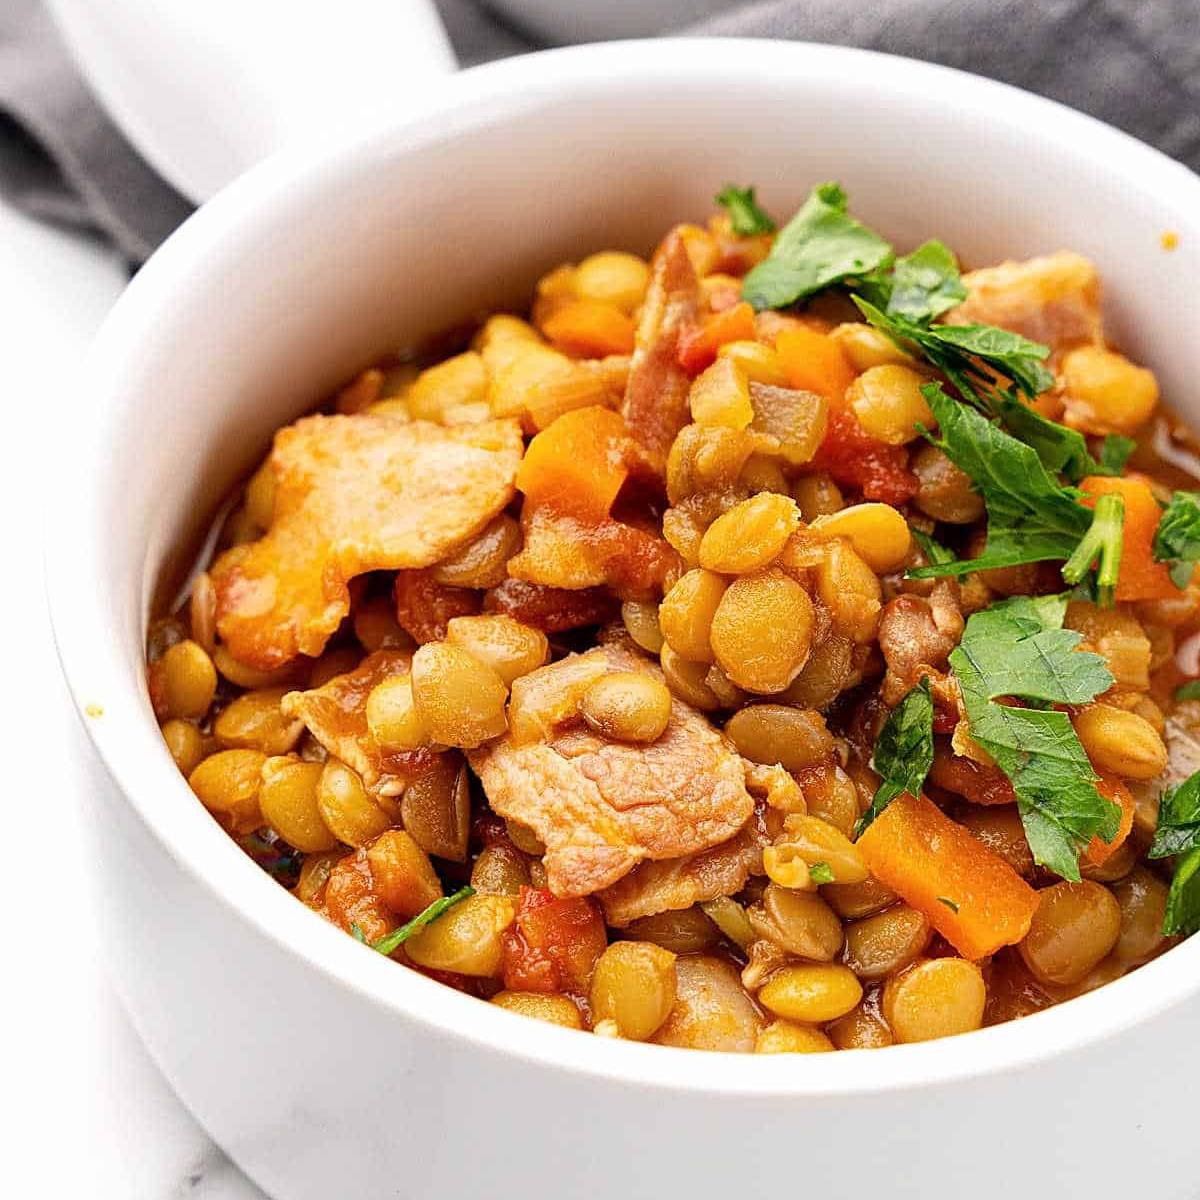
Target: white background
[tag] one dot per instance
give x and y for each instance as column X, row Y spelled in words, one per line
column 84, row 1114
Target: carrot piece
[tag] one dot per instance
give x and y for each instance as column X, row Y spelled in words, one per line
column 1141, row 578
column 591, row 328
column 971, row 896
column 699, row 342
column 578, row 463
column 1099, row 851
column 814, row 362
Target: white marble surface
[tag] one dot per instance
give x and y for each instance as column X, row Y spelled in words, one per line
column 83, row 1110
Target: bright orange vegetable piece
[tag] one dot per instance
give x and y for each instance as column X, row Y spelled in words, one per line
column 1141, row 578
column 971, row 896
column 1099, row 851
column 578, row 463
column 699, row 343
column 814, row 362
column 590, row 328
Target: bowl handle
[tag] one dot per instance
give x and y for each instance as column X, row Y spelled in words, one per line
column 206, row 90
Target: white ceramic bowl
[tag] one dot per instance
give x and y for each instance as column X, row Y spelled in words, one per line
column 327, row 1071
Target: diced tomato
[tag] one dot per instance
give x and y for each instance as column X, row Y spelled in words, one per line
column 553, row 944
column 1141, row 578
column 700, row 341
column 551, row 609
column 857, row 460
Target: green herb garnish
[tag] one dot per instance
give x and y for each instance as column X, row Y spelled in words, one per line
column 935, row 553
column 820, row 246
column 356, row 932
column 1018, row 649
column 903, row 751
column 1101, row 542
column 1177, row 540
column 389, row 943
column 1189, row 690
column 952, row 905
column 820, row 872
column 745, row 216
column 920, row 286
column 1178, row 833
column 1114, row 454
column 1031, row 516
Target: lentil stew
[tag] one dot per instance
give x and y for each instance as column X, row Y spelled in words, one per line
column 781, row 645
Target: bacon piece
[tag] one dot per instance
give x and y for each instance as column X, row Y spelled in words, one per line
column 355, row 494
column 655, row 407
column 667, row 886
column 917, row 633
column 601, row 807
column 336, row 714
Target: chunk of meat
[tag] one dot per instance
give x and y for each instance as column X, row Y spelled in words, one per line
column 601, row 807
column 1182, row 736
column 1054, row 299
column 563, row 551
column 915, row 633
column 655, row 887
column 355, row 494
column 336, row 714
column 655, row 406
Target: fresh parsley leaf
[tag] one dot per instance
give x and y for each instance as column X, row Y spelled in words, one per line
column 820, row 246
column 1031, row 517
column 1189, row 690
column 1102, row 541
column 935, row 553
column 903, row 751
column 820, row 872
column 356, row 932
column 1177, row 540
column 745, row 216
column 389, row 942
column 1018, row 649
column 952, row 905
column 969, row 356
column 1178, row 830
column 1182, row 913
column 1114, row 454
column 925, row 283
column 1061, row 450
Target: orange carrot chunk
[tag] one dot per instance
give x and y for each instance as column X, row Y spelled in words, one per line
column 814, row 362
column 971, row 896
column 578, row 463
column 700, row 341
column 590, row 328
column 1140, row 578
column 1099, row 851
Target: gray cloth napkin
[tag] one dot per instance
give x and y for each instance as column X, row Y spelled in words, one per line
column 1133, row 63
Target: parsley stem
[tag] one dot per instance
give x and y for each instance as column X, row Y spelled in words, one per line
column 1102, row 541
column 389, row 942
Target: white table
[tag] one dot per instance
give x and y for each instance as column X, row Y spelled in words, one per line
column 83, row 1110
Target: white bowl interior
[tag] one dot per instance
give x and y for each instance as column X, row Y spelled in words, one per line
column 307, row 270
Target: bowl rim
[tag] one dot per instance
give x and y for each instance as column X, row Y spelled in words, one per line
column 126, row 737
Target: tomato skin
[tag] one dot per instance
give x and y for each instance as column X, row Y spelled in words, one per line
column 856, row 460
column 699, row 341
column 553, row 944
